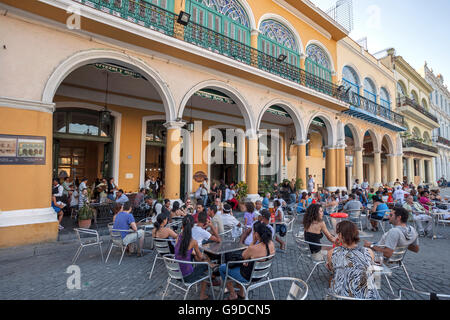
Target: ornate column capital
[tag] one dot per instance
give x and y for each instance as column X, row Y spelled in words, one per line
column 300, row 142
column 174, row 124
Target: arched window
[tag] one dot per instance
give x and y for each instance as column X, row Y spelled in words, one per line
column 350, row 79
column 318, row 62
column 276, row 39
column 370, row 91
column 401, row 91
column 385, row 100
column 227, row 17
column 424, row 104
column 414, row 96
column 416, row 133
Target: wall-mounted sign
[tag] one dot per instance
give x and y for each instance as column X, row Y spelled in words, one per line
column 22, row 149
column 349, row 161
column 199, row 176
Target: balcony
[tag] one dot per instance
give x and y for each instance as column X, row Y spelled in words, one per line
column 155, row 18
column 403, row 104
column 368, row 110
column 443, row 141
column 411, row 143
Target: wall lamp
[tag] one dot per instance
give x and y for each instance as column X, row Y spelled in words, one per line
column 183, row 18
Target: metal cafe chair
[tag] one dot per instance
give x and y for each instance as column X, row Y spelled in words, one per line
column 87, row 241
column 117, row 241
column 162, row 249
column 331, row 296
column 355, row 217
column 261, row 270
column 226, row 234
column 298, row 289
column 396, row 262
column 430, row 295
column 176, row 278
column 306, row 252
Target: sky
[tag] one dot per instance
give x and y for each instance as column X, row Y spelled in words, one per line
column 419, row 30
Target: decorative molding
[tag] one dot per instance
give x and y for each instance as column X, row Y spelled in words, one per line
column 23, row 104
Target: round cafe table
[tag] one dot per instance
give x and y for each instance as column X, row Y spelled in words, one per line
column 337, row 217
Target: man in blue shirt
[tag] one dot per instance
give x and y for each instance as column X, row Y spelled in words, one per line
column 124, row 220
column 121, row 197
column 265, row 202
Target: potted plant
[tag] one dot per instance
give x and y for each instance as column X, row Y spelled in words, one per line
column 242, row 191
column 85, row 215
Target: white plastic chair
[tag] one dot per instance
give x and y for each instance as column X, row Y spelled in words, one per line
column 297, row 291
column 261, row 270
column 173, row 268
column 87, row 241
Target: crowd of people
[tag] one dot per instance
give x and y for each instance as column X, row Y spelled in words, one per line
column 208, row 219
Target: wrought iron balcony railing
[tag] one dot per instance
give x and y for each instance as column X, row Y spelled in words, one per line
column 374, row 108
column 153, row 17
column 405, row 101
column 443, row 141
column 411, row 143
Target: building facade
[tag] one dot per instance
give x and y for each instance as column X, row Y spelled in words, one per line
column 413, row 102
column 130, row 90
column 440, row 106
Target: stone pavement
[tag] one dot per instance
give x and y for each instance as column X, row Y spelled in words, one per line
column 39, row 272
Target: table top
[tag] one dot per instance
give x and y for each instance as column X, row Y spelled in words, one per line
column 223, row 247
column 339, row 215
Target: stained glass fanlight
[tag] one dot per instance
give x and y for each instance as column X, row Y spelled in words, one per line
column 318, row 55
column 229, row 8
column 279, row 33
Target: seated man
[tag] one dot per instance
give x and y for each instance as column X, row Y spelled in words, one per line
column 121, row 197
column 199, row 232
column 401, row 235
column 419, row 214
column 139, row 198
column 124, row 220
column 216, row 218
column 229, row 221
column 199, row 208
column 352, row 204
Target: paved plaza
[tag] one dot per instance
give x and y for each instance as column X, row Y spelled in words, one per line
column 39, row 272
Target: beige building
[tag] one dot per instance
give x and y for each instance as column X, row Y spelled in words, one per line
column 413, row 102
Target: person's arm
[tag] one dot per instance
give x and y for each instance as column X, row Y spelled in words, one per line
column 247, row 253
column 327, row 234
column 172, row 233
column 133, row 226
column 244, row 235
column 198, row 254
column 214, row 235
column 329, row 263
column 387, row 252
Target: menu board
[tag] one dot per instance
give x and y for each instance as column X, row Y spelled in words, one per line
column 22, row 149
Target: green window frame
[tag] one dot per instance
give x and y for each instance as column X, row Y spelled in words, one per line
column 316, row 69
column 274, row 49
column 213, row 20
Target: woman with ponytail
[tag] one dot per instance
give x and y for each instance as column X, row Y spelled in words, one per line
column 183, row 251
column 160, row 230
column 261, row 246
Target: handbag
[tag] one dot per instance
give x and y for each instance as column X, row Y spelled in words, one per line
column 233, row 256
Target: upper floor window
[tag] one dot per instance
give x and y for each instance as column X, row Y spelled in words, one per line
column 414, row 96
column 370, row 91
column 350, row 79
column 385, row 101
column 401, row 91
column 223, row 16
column 276, row 39
column 318, row 62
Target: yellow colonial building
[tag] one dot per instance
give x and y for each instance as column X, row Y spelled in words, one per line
column 132, row 89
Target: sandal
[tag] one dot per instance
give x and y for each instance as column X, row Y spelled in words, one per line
column 229, row 298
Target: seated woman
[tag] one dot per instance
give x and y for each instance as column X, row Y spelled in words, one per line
column 58, row 206
column 351, row 265
column 331, row 204
column 262, row 246
column 160, row 231
column 378, row 211
column 302, row 203
column 176, row 210
column 315, row 228
column 184, row 248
